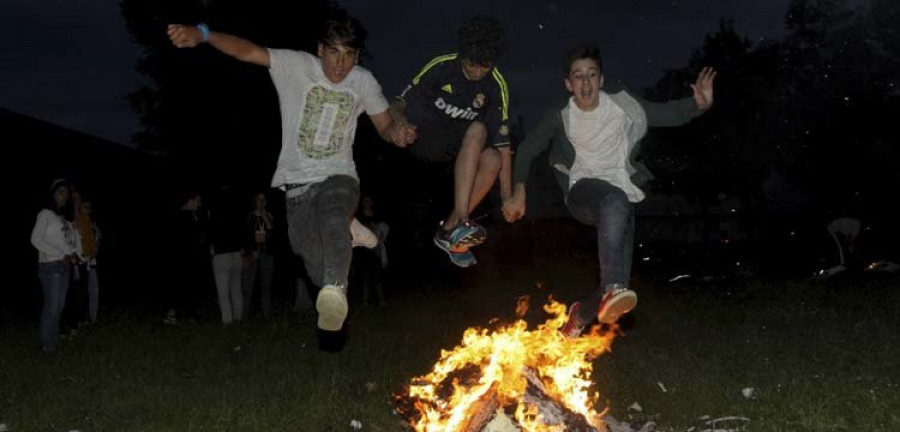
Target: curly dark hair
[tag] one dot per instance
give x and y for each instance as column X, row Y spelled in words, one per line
column 580, row 52
column 481, row 40
column 344, row 30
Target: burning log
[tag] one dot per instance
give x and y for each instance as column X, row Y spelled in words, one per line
column 482, row 411
column 551, row 412
column 481, row 416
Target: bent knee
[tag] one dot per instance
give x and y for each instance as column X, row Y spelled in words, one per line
column 616, row 203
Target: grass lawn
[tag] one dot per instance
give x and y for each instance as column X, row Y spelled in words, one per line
column 820, row 356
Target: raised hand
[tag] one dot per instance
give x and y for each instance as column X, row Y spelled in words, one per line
column 183, row 36
column 703, row 88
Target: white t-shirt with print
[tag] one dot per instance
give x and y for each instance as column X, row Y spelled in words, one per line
column 318, row 117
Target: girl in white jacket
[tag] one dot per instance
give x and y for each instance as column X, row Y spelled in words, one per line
column 58, row 245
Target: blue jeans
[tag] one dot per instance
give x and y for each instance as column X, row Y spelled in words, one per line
column 598, row 203
column 319, row 228
column 54, row 277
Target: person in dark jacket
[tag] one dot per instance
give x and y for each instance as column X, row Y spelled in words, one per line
column 259, row 257
column 190, row 262
column 227, row 240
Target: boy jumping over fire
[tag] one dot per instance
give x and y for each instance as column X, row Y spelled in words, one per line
column 454, row 107
column 592, row 137
column 321, row 97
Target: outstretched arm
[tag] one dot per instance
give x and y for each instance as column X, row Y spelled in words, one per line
column 680, row 111
column 185, row 36
column 534, row 144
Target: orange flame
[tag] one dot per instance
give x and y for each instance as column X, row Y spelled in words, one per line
column 500, row 356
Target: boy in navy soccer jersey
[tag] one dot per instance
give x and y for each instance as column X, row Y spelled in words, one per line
column 456, row 109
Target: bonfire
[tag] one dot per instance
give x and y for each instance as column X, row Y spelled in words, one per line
column 511, row 378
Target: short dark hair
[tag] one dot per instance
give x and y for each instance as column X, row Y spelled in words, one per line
column 481, row 40
column 581, row 52
column 343, row 30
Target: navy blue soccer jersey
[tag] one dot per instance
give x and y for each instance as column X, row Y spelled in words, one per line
column 441, row 92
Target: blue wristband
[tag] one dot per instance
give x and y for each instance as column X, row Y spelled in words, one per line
column 205, row 29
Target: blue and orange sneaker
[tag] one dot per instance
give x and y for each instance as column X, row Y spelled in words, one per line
column 461, row 257
column 465, row 235
column 469, row 234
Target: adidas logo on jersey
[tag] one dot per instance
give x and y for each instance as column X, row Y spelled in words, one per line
column 454, row 111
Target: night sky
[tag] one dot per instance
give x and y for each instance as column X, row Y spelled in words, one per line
column 71, row 62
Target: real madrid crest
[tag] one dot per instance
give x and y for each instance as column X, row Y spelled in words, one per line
column 479, row 100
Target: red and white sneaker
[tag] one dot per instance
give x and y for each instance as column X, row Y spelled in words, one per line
column 616, row 302
column 572, row 329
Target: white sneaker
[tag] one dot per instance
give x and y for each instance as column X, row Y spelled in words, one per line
column 362, row 236
column 332, row 306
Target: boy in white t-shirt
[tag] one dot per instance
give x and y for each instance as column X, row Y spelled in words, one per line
column 321, row 96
